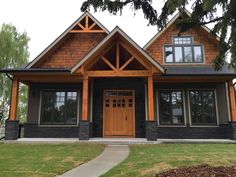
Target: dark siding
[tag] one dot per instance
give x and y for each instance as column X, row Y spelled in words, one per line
column 136, row 84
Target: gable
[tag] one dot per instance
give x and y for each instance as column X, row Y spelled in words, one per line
column 72, row 45
column 126, row 50
column 155, row 47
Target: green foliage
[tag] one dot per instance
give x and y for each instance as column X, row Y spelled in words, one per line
column 13, row 54
column 203, row 12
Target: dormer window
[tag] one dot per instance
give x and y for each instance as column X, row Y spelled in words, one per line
column 183, row 51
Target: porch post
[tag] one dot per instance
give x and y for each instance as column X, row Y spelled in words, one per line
column 84, row 125
column 151, row 125
column 12, row 124
column 232, row 109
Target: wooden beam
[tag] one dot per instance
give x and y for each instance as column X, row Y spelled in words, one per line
column 14, row 99
column 232, row 101
column 127, row 62
column 150, row 99
column 118, row 73
column 136, row 55
column 85, row 99
column 108, row 63
column 117, row 56
column 81, row 26
column 86, row 23
column 87, row 31
column 92, row 26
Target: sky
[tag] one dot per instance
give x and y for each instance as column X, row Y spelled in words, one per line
column 45, row 20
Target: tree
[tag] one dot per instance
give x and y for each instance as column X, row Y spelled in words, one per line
column 203, row 12
column 13, row 54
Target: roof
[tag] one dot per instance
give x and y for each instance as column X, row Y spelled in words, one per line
column 172, row 21
column 35, row 70
column 30, row 64
column 123, row 34
column 198, row 70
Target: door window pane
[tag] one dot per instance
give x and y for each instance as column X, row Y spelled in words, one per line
column 202, row 105
column 168, row 54
column 178, row 54
column 171, row 108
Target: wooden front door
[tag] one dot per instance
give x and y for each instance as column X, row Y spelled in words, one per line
column 118, row 113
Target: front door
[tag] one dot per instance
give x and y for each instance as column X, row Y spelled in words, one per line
column 118, row 113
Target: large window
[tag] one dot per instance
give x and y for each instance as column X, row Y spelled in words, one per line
column 59, row 107
column 183, row 51
column 202, row 107
column 171, row 107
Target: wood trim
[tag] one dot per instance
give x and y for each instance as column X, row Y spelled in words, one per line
column 14, row 100
column 85, row 99
column 118, row 73
column 150, row 99
column 232, row 101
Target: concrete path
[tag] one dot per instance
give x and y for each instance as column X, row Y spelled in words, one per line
column 109, row 158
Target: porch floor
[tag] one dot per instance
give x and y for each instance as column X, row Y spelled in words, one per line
column 117, row 140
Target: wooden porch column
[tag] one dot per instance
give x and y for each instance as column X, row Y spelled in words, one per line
column 232, row 101
column 150, row 99
column 85, row 99
column 14, row 99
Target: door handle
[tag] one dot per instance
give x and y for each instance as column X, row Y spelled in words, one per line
column 126, row 118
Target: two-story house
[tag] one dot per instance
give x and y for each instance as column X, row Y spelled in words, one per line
column 94, row 83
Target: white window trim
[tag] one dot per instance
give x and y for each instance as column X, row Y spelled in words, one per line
column 53, row 125
column 216, row 108
column 184, row 108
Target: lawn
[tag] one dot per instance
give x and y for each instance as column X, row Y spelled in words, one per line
column 43, row 160
column 148, row 160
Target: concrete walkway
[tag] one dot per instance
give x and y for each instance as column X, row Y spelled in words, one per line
column 110, row 157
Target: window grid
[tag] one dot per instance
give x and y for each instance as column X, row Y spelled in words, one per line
column 170, row 99
column 58, row 105
column 202, row 106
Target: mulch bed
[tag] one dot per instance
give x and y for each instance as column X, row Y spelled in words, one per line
column 200, row 171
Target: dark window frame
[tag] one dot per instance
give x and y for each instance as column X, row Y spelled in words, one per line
column 183, row 107
column 66, row 95
column 215, row 108
column 173, row 45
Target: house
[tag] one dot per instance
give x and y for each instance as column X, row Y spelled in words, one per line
column 94, row 83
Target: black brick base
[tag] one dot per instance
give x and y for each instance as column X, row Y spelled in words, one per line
column 12, row 129
column 84, row 130
column 151, row 130
column 35, row 131
column 232, row 130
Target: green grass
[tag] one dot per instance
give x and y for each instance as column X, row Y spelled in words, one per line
column 43, row 160
column 148, row 160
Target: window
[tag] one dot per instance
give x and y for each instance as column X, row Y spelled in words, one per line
column 202, row 107
column 59, row 108
column 171, row 107
column 183, row 51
